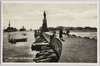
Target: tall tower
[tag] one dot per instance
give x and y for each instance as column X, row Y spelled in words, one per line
column 44, row 25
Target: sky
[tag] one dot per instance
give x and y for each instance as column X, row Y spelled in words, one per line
column 30, row 15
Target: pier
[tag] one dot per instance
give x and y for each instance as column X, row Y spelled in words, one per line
column 64, row 48
column 49, row 46
column 72, row 49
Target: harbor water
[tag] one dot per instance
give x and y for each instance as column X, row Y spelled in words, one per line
column 21, row 51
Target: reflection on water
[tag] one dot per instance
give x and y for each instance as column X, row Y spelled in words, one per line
column 21, row 51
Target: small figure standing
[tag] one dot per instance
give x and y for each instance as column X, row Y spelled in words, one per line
column 54, row 33
column 35, row 33
column 68, row 31
column 60, row 34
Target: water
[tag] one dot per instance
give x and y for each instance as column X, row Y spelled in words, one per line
column 21, row 51
column 85, row 34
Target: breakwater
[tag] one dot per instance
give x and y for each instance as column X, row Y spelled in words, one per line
column 50, row 51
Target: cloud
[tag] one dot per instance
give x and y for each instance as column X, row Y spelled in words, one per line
column 65, row 14
column 90, row 14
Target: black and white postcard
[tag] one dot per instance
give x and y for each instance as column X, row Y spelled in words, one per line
column 50, row 32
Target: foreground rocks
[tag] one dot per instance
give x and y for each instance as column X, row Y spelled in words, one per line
column 49, row 48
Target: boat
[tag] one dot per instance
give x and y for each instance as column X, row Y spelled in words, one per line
column 17, row 40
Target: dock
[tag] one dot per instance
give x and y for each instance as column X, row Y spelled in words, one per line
column 72, row 50
column 49, row 46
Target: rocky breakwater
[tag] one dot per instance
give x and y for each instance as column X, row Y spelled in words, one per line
column 49, row 48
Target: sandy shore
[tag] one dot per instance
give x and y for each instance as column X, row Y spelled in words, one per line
column 78, row 50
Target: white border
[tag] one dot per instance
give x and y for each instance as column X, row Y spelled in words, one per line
column 49, row 2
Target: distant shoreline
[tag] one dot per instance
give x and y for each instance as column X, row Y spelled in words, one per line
column 83, row 30
column 70, row 30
